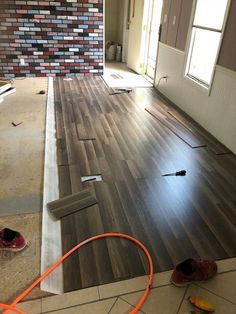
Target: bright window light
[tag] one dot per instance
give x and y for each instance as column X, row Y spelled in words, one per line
column 204, row 51
column 205, row 40
column 210, row 13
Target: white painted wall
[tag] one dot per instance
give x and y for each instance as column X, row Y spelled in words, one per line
column 215, row 112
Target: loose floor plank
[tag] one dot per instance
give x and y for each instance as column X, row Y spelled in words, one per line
column 176, row 128
column 201, row 134
column 71, row 204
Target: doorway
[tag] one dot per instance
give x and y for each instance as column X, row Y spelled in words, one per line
column 132, row 26
column 153, row 28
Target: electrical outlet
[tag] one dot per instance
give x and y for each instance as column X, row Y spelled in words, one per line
column 22, row 61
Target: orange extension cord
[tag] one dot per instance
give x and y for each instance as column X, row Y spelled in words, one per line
column 58, row 262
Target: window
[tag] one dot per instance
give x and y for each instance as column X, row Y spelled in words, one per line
column 206, row 35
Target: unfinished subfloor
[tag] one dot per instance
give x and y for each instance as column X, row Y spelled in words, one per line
column 22, row 147
column 21, row 171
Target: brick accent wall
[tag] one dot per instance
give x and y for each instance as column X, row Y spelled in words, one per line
column 49, row 38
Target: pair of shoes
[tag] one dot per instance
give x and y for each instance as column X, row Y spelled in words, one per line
column 192, row 270
column 11, row 240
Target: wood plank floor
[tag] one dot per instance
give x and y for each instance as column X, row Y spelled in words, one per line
column 175, row 217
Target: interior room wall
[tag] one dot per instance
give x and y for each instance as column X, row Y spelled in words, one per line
column 41, row 38
column 215, row 112
column 175, row 21
column 114, row 20
column 120, row 20
column 111, row 17
column 227, row 57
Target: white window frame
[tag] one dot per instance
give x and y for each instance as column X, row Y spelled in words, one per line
column 206, row 89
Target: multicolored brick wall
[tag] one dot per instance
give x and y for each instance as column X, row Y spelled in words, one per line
column 49, row 38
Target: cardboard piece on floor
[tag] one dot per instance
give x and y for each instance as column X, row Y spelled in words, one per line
column 71, row 204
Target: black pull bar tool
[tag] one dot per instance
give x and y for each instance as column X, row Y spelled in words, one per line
column 178, row 173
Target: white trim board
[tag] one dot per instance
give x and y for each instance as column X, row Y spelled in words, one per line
column 51, row 249
column 226, row 71
column 171, row 48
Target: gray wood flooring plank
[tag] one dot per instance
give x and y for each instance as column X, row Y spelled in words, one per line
column 176, row 218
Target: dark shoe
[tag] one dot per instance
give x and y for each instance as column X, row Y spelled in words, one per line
column 11, row 240
column 192, row 271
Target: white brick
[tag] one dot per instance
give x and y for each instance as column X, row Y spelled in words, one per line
column 93, row 10
column 78, row 30
column 74, row 49
column 44, row 12
column 24, row 29
column 37, row 53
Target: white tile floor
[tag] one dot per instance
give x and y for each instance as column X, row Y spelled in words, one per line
column 164, row 298
column 117, row 74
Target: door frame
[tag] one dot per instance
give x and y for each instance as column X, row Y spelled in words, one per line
column 144, row 35
column 125, row 35
column 148, row 23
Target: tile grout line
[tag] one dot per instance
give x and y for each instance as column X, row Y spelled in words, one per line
column 131, row 304
column 93, row 301
column 79, row 304
column 127, row 293
column 99, row 297
column 96, row 300
column 181, row 303
column 124, row 294
column 113, row 305
column 133, row 291
column 214, row 294
column 121, row 295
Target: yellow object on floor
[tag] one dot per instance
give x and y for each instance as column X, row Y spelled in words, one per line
column 201, row 304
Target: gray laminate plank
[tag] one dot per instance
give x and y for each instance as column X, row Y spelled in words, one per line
column 176, row 218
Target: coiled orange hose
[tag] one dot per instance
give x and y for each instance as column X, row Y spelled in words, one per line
column 142, row 300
